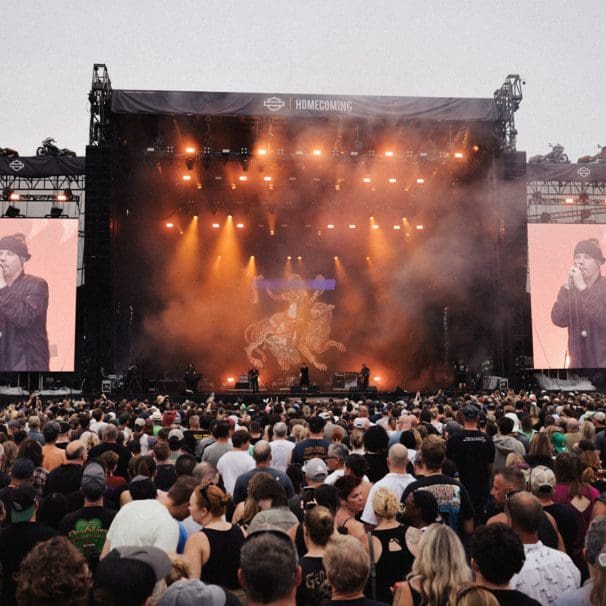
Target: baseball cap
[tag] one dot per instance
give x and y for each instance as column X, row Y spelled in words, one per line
column 316, row 469
column 360, row 423
column 139, row 422
column 599, row 416
column 22, row 469
column 176, row 433
column 558, row 440
column 154, row 557
column 22, row 503
column 93, row 480
column 470, row 411
column 193, row 592
column 542, row 479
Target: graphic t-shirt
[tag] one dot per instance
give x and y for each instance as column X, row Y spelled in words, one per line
column 87, row 529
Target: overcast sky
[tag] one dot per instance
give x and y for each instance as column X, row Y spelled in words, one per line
column 441, row 48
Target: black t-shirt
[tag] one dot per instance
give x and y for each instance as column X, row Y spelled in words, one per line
column 513, row 597
column 453, row 499
column 314, row 589
column 472, row 451
column 87, row 530
column 16, row 541
column 310, row 448
column 191, row 438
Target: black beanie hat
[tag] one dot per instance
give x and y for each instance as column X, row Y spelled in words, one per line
column 589, row 247
column 15, row 243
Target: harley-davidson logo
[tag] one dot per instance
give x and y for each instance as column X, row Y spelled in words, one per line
column 583, row 172
column 274, row 103
column 17, row 165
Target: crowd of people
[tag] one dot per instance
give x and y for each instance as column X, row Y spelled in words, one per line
column 477, row 500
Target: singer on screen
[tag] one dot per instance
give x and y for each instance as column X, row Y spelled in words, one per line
column 581, row 307
column 23, row 307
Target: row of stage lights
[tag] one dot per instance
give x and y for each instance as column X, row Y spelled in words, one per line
column 269, row 180
column 12, row 197
column 262, row 152
column 329, row 226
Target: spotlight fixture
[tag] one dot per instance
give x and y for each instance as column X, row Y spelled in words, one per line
column 66, row 196
column 12, row 212
column 10, row 195
column 56, row 212
column 239, row 225
column 215, row 226
column 458, row 155
column 420, row 180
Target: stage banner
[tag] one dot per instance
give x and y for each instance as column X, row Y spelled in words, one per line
column 38, row 266
column 42, row 166
column 567, row 295
column 293, row 105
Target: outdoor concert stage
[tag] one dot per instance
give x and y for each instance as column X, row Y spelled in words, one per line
column 237, row 230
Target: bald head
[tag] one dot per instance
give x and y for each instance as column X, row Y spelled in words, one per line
column 397, row 458
column 525, row 512
column 75, row 451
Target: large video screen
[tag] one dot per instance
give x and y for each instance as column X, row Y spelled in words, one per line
column 38, row 269
column 568, row 295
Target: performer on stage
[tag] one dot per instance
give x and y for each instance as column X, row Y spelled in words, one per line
column 253, row 380
column 581, row 307
column 191, row 378
column 304, row 374
column 133, row 382
column 363, row 377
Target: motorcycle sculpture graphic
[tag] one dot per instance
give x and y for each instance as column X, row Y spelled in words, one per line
column 300, row 332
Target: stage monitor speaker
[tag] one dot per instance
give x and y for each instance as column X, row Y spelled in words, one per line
column 370, row 390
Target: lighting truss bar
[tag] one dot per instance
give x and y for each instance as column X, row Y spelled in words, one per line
column 508, row 98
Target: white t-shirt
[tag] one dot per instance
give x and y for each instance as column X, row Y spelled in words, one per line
column 144, row 523
column 231, row 465
column 396, row 482
column 281, row 450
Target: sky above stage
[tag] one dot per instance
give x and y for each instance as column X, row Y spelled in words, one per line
column 349, row 47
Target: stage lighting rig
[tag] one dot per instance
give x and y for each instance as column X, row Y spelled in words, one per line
column 66, row 196
column 12, row 212
column 56, row 212
column 10, row 195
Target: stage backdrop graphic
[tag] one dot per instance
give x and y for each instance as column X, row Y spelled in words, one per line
column 550, row 255
column 53, row 246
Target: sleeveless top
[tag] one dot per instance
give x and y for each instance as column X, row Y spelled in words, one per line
column 393, row 565
column 224, row 561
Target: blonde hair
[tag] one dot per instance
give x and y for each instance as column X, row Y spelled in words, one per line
column 386, row 504
column 347, row 564
column 179, row 569
column 299, row 432
column 470, row 594
column 440, row 564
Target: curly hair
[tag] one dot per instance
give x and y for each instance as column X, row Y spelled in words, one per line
column 386, row 504
column 47, row 580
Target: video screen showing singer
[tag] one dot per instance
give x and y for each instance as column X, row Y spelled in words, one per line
column 23, row 308
column 581, row 307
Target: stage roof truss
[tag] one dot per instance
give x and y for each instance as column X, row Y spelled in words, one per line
column 508, row 98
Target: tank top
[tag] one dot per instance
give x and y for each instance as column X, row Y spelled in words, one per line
column 393, row 565
column 224, row 561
